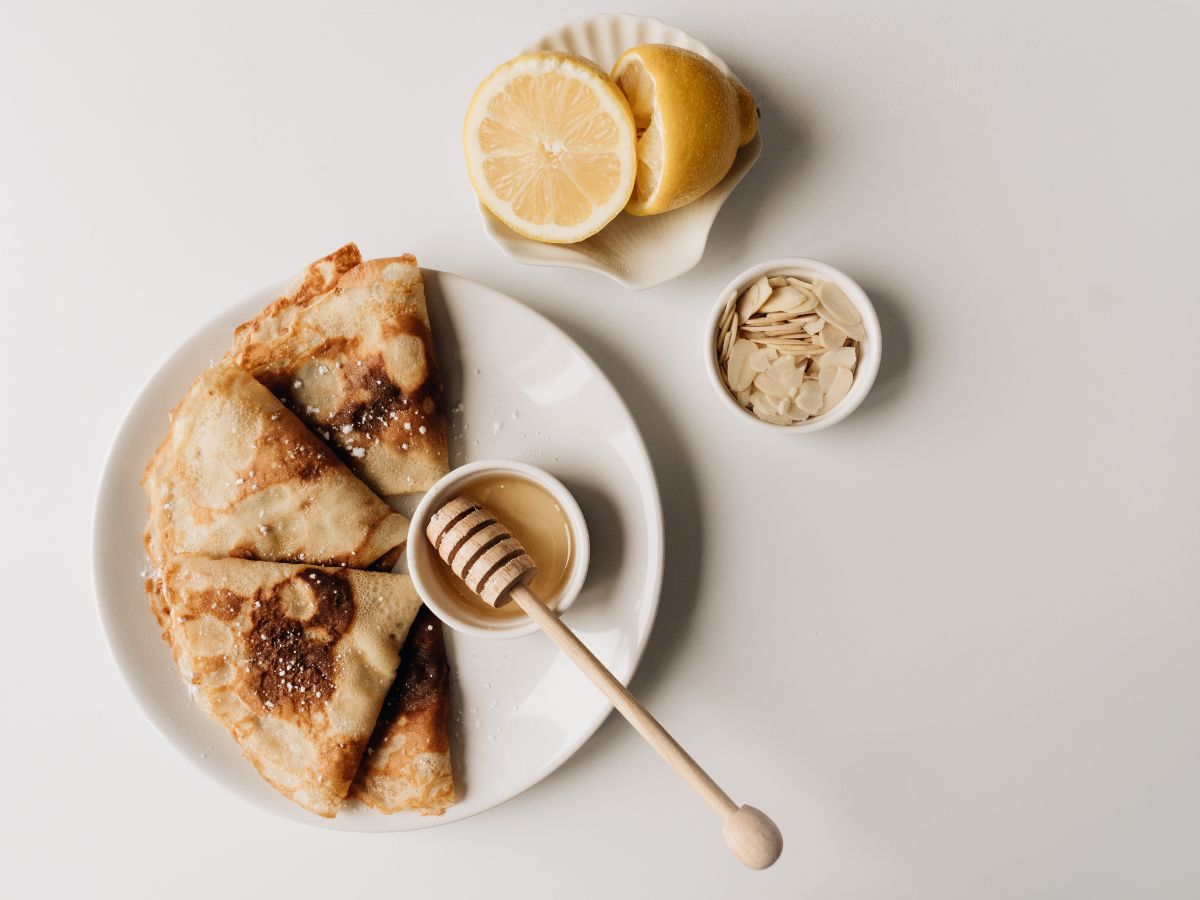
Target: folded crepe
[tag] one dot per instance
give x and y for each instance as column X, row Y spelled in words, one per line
column 239, row 475
column 295, row 661
column 348, row 347
column 407, row 764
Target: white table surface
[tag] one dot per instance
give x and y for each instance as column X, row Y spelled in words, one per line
column 950, row 644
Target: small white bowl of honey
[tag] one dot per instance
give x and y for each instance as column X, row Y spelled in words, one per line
column 538, row 511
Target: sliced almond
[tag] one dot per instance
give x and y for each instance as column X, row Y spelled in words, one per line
column 740, row 373
column 727, row 312
column 762, row 318
column 753, row 298
column 856, row 331
column 810, row 301
column 743, row 397
column 773, row 387
column 787, row 373
column 785, row 346
column 831, row 337
column 782, row 299
column 843, row 356
column 726, row 322
column 777, row 280
column 726, row 345
column 825, row 378
column 776, row 328
column 840, row 387
column 761, row 359
column 815, row 325
column 762, row 405
column 810, row 397
column 837, row 305
column 810, row 304
column 787, row 318
column 795, row 413
column 747, row 304
column 793, row 347
column 756, row 325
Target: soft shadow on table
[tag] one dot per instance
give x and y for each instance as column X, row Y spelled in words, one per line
column 787, row 146
column 602, row 517
column 449, row 359
column 897, row 351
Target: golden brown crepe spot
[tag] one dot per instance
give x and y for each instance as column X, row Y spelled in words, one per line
column 317, row 278
column 220, row 602
column 327, row 271
column 423, row 670
column 351, row 760
column 158, row 604
column 216, row 668
column 278, row 458
column 379, row 410
column 354, row 406
column 407, row 324
column 371, row 398
column 291, row 661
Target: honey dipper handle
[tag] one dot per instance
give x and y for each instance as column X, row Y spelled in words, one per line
column 753, row 837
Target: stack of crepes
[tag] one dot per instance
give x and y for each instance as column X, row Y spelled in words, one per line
column 271, row 546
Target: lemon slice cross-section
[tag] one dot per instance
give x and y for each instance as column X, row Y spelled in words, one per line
column 551, row 147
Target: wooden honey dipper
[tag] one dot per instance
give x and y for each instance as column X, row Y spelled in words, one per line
column 493, row 564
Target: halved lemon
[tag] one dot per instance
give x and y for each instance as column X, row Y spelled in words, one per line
column 690, row 120
column 551, row 148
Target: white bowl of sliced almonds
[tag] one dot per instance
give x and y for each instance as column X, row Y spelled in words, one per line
column 793, row 344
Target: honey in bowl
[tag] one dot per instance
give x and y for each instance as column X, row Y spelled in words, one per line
column 537, row 521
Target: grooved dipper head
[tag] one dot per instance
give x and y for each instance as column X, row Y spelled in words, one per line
column 479, row 550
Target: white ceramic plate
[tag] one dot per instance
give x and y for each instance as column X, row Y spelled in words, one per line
column 636, row 252
column 527, row 393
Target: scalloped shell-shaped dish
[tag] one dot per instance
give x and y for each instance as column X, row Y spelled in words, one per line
column 637, row 252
